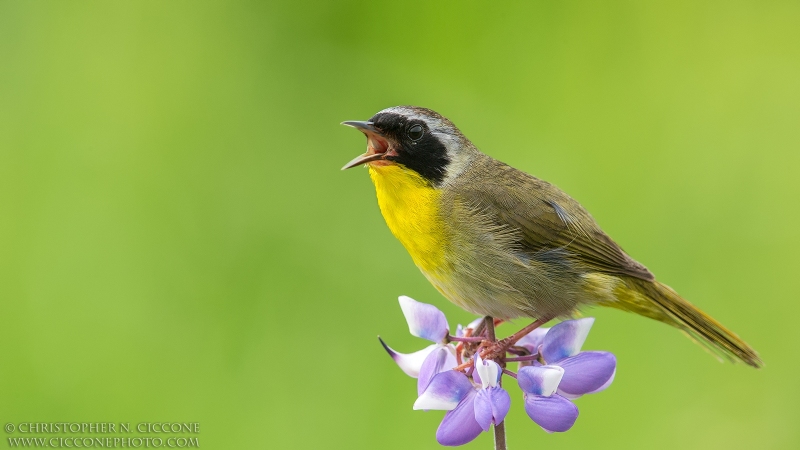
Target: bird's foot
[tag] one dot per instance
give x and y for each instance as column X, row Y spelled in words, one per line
column 496, row 351
column 484, row 343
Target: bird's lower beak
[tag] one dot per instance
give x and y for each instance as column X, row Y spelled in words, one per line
column 377, row 144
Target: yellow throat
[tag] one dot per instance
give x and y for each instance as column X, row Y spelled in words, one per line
column 410, row 206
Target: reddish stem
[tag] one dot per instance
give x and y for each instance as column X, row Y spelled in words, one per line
column 465, row 339
column 510, row 373
column 500, row 428
column 523, row 358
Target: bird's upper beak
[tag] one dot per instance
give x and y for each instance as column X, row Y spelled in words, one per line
column 377, row 143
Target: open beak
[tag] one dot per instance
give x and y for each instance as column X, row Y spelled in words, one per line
column 377, row 144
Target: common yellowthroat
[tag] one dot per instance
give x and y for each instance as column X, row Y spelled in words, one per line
column 499, row 242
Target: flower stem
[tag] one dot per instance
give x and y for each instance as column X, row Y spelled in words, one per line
column 523, row 358
column 500, row 436
column 465, row 339
column 500, row 428
column 509, row 373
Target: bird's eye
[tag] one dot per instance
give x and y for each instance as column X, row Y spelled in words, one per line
column 415, row 132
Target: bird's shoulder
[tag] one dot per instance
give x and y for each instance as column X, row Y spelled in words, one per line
column 545, row 216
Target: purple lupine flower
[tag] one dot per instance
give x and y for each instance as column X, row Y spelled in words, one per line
column 555, row 372
column 461, row 330
column 471, row 408
column 548, row 409
column 492, row 401
column 427, row 322
column 584, row 372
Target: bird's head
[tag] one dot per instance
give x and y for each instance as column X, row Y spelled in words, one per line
column 418, row 138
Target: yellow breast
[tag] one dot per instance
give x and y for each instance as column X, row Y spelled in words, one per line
column 410, row 206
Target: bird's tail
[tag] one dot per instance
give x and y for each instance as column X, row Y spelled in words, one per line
column 658, row 301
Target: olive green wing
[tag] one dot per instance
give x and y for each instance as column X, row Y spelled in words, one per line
column 546, row 218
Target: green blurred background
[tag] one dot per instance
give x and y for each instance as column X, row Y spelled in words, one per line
column 178, row 244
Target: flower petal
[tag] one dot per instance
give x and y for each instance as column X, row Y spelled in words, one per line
column 489, row 372
column 439, row 360
column 554, row 414
column 459, row 425
column 491, row 406
column 586, row 372
column 460, row 329
column 424, row 320
column 445, row 391
column 476, row 377
column 607, row 383
column 565, row 339
column 474, row 324
column 539, row 380
column 533, row 340
column 410, row 362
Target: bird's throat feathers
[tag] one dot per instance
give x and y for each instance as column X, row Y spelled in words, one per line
column 410, row 205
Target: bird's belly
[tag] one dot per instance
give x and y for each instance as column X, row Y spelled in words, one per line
column 473, row 295
column 490, row 275
column 471, row 262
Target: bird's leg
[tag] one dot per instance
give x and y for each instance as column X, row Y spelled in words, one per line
column 511, row 340
column 480, row 329
column 497, row 351
column 490, row 348
column 490, row 323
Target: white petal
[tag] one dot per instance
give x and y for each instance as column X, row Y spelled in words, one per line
column 410, row 363
column 488, row 371
column 540, row 380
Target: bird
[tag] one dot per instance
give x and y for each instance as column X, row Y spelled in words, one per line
column 499, row 242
